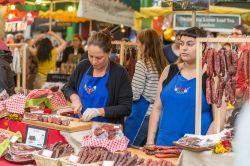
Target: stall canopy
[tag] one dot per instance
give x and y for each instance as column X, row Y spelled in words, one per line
column 158, row 11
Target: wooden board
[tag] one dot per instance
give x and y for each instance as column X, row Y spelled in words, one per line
column 193, row 149
column 74, row 126
column 141, row 154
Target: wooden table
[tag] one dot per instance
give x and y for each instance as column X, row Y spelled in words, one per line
column 141, row 154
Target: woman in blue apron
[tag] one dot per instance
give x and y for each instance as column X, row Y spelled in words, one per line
column 173, row 115
column 99, row 89
column 144, row 86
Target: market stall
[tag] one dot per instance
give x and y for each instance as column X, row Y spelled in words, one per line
column 41, row 121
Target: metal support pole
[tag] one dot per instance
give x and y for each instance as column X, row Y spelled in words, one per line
column 50, row 16
column 193, row 18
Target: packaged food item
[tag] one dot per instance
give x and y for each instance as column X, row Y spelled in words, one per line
column 20, row 152
column 58, row 150
column 107, row 131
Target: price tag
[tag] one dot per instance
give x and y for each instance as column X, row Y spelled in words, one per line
column 47, row 153
column 116, row 127
column 14, row 139
column 73, row 158
column 108, row 163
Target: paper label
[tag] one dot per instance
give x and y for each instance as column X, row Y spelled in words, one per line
column 116, row 127
column 108, row 163
column 73, row 158
column 14, row 139
column 47, row 153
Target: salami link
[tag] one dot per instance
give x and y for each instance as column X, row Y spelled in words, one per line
column 168, row 151
column 222, row 63
column 210, row 62
column 166, row 155
column 217, row 65
column 208, row 91
column 213, row 91
column 220, row 90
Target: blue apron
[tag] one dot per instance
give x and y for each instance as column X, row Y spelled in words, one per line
column 135, row 119
column 93, row 92
column 178, row 111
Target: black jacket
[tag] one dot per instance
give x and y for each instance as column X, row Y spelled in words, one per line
column 6, row 77
column 119, row 90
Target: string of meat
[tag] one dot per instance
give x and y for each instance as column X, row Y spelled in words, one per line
column 221, row 64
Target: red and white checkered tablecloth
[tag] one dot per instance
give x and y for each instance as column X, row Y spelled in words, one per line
column 16, row 104
column 58, row 100
column 112, row 145
column 2, row 105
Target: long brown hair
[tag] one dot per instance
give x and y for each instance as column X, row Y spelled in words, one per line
column 153, row 51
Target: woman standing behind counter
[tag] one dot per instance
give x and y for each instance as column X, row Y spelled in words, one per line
column 173, row 113
column 99, row 89
column 148, row 70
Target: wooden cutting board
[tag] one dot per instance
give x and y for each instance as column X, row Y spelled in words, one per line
column 74, row 126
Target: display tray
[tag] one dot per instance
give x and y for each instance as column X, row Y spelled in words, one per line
column 8, row 158
column 74, row 125
column 193, row 149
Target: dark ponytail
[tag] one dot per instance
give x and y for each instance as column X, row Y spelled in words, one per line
column 101, row 39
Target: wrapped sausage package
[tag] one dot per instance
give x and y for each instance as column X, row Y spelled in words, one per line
column 106, row 135
column 5, row 139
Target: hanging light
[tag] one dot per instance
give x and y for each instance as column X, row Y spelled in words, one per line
column 10, row 16
column 29, row 14
column 12, row 7
column 70, row 9
column 173, row 38
column 122, row 26
column 123, row 30
column 38, row 2
column 155, row 18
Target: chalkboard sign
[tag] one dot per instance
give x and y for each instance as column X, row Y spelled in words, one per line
column 58, row 78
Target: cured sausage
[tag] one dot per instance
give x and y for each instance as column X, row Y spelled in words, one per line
column 166, row 155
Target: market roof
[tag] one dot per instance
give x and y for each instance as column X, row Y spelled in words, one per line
column 160, row 11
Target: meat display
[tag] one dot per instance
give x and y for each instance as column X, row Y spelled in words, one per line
column 223, row 65
column 21, row 149
column 59, row 150
column 162, row 151
column 91, row 155
column 195, row 142
column 94, row 155
column 48, row 118
column 21, row 152
column 108, row 131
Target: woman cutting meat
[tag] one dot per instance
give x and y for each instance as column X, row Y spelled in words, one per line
column 173, row 113
column 99, row 89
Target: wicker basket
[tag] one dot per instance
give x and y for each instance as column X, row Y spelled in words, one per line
column 65, row 162
column 43, row 161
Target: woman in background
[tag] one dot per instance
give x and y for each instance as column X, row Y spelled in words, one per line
column 46, row 56
column 144, row 85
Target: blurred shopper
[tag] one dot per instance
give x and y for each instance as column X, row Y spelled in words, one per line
column 6, row 74
column 173, row 113
column 46, row 56
column 171, row 51
column 144, row 85
column 242, row 87
column 75, row 52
